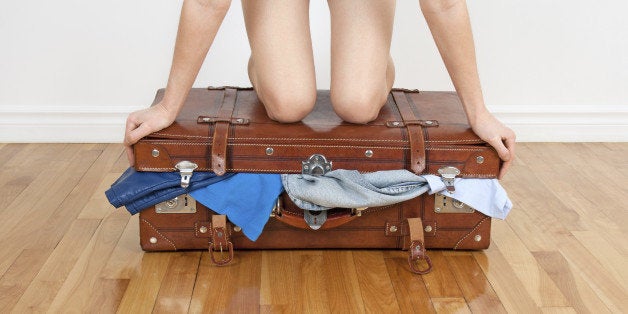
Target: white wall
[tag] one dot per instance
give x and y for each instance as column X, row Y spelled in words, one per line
column 72, row 70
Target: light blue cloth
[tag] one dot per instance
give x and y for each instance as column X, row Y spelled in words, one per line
column 246, row 198
column 351, row 189
column 485, row 195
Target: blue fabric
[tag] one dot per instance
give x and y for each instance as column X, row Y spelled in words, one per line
column 139, row 190
column 246, row 198
column 352, row 189
column 349, row 189
column 485, row 195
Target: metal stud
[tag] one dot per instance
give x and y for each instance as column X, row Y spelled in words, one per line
column 155, row 152
column 269, row 151
column 396, row 123
column 437, row 209
column 429, row 122
column 392, row 229
column 202, row 229
column 239, row 120
column 237, row 229
column 428, row 229
column 479, row 159
column 152, row 240
column 368, row 153
column 477, row 238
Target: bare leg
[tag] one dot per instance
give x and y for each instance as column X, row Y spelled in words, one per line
column 362, row 71
column 281, row 67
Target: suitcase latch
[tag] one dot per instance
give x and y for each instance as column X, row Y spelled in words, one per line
column 448, row 175
column 185, row 169
column 316, row 165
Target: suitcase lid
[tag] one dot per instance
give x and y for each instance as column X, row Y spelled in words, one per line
column 227, row 130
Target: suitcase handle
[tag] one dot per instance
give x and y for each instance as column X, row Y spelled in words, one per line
column 289, row 213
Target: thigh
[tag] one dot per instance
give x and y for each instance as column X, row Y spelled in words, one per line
column 281, row 67
column 362, row 71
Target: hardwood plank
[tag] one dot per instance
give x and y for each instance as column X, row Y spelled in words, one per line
column 477, row 290
column 450, row 305
column 42, row 290
column 98, row 206
column 141, row 293
column 71, row 206
column 178, row 283
column 126, row 258
column 580, row 296
column 558, row 310
column 19, row 276
column 50, row 185
column 595, row 273
column 109, row 293
column 229, row 289
column 378, row 294
column 410, row 290
column 342, row 283
column 506, row 284
column 605, row 253
column 535, row 280
column 311, row 282
column 78, row 288
column 440, row 282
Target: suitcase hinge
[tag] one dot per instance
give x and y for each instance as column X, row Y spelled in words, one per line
column 448, row 175
column 185, row 169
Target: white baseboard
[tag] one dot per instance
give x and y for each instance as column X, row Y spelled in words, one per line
column 105, row 124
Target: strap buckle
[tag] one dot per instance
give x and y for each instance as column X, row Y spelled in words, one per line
column 417, row 253
column 223, row 260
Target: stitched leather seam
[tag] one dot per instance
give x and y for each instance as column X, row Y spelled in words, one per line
column 314, row 139
column 470, row 232
column 281, row 171
column 321, row 146
column 163, row 236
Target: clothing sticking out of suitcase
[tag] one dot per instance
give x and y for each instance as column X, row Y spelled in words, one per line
column 227, row 130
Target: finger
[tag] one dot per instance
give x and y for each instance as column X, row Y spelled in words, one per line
column 501, row 149
column 504, row 169
column 135, row 135
column 130, row 156
column 510, row 145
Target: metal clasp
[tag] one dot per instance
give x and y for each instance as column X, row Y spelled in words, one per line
column 186, row 168
column 315, row 219
column 316, row 165
column 448, row 175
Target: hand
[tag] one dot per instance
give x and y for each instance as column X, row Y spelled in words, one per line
column 144, row 122
column 501, row 137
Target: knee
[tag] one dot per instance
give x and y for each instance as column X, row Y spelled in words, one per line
column 287, row 105
column 358, row 106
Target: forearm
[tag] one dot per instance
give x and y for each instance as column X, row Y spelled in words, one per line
column 449, row 23
column 198, row 25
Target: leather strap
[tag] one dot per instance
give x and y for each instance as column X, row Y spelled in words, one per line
column 417, row 247
column 415, row 132
column 221, row 132
column 219, row 241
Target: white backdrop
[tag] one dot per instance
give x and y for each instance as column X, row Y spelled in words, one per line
column 71, row 70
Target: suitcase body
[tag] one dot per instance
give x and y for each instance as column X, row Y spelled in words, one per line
column 227, row 130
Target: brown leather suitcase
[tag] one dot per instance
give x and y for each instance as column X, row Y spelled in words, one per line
column 227, row 130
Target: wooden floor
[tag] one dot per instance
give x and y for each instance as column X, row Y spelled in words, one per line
column 561, row 250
